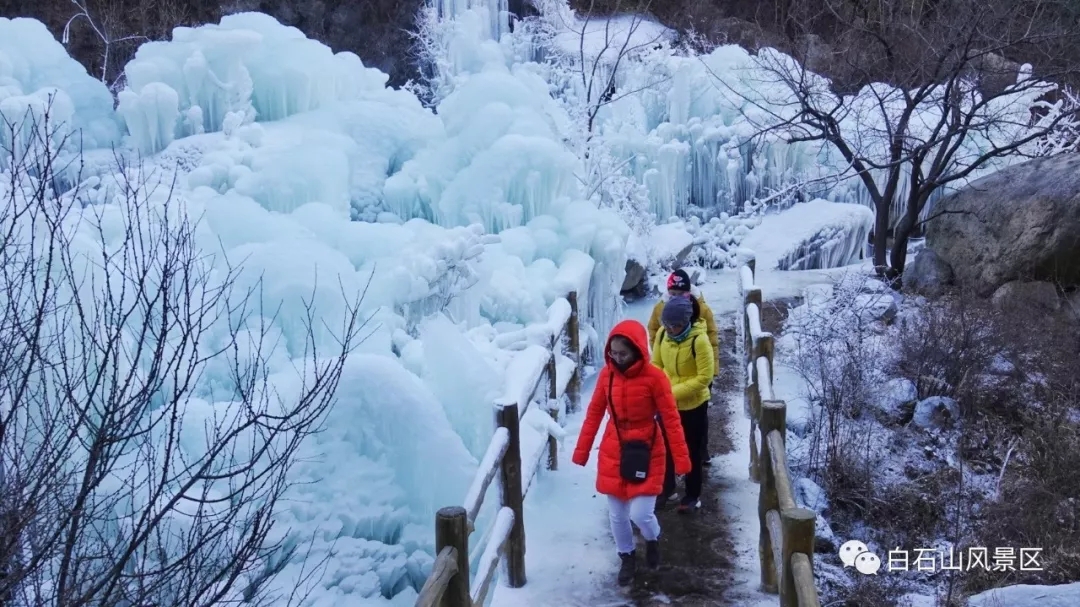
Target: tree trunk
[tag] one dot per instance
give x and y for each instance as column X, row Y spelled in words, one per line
column 898, row 257
column 881, row 236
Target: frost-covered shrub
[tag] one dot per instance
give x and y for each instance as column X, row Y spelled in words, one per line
column 948, row 348
column 834, row 342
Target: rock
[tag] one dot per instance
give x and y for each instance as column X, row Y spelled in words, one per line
column 1040, row 296
column 994, row 73
column 896, row 393
column 825, row 540
column 636, row 276
column 881, row 306
column 815, row 54
column 1072, row 302
column 928, row 274
column 680, row 257
column 810, row 495
column 913, row 599
column 935, row 412
column 1019, row 223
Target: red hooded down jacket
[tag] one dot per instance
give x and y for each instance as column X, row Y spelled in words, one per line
column 637, row 395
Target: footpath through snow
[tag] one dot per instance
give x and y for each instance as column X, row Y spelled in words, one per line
column 570, row 555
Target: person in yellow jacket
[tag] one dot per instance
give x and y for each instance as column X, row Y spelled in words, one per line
column 679, row 284
column 683, row 352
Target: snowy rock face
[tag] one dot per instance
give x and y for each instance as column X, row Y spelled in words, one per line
column 1022, row 222
column 935, row 412
column 928, row 274
column 827, row 235
column 816, row 252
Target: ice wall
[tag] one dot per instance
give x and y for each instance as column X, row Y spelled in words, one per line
column 37, row 77
column 248, row 67
column 696, row 130
column 495, row 13
column 505, row 164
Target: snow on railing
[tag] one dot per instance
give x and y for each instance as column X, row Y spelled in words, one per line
column 474, row 498
column 546, row 351
column 787, row 557
column 504, row 524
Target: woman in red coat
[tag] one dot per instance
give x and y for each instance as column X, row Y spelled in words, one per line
column 632, row 391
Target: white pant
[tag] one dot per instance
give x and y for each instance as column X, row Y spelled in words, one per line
column 641, row 510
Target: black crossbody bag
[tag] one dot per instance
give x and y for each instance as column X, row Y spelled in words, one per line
column 634, row 456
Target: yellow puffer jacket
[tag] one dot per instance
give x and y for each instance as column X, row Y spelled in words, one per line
column 706, row 315
column 690, row 375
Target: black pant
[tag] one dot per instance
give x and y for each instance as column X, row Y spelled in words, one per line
column 705, row 432
column 695, row 426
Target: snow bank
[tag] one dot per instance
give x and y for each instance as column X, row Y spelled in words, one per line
column 1027, row 595
column 812, row 235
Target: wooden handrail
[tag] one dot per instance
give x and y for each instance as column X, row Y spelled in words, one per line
column 786, row 536
column 442, row 571
column 449, row 584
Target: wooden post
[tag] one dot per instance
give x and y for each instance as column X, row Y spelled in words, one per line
column 773, row 417
column 573, row 388
column 506, row 416
column 755, row 419
column 752, row 264
column 553, row 396
column 452, row 529
column 798, row 525
column 752, row 297
column 767, row 348
column 754, row 404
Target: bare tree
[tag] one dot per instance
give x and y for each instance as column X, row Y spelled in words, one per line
column 144, row 443
column 943, row 95
column 600, row 51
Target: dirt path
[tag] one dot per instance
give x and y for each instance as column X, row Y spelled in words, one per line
column 697, row 549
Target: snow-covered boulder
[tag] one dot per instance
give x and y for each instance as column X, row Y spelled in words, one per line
column 896, row 393
column 935, row 412
column 1027, row 595
column 809, row 494
column 811, row 235
column 882, row 306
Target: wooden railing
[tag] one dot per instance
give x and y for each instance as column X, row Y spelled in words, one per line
column 786, row 539
column 557, row 370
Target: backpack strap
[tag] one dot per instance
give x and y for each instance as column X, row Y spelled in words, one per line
column 693, row 342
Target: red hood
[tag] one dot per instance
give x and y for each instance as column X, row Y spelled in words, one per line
column 636, row 333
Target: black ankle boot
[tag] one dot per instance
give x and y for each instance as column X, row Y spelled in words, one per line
column 652, row 554
column 629, row 567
